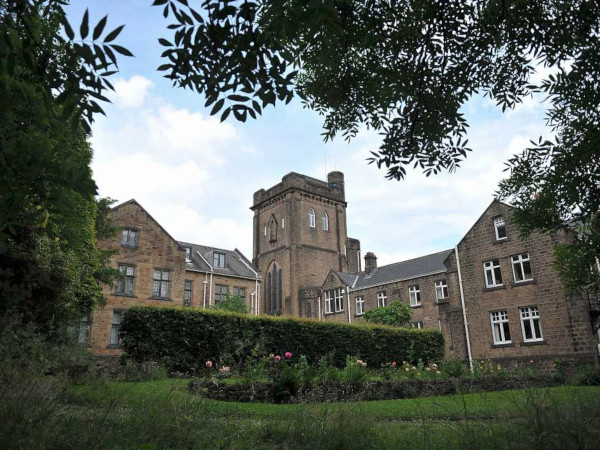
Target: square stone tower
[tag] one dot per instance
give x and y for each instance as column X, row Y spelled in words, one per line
column 299, row 235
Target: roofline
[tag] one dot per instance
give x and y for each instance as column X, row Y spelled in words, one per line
column 242, row 259
column 207, row 263
column 398, row 280
column 134, row 201
column 495, row 200
column 217, row 274
column 412, row 259
column 294, row 188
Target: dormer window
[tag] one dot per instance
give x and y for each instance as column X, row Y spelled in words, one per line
column 219, row 260
column 500, row 228
column 129, row 238
column 312, row 223
column 325, row 219
column 188, row 255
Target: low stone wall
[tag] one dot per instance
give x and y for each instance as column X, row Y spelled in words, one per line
column 373, row 390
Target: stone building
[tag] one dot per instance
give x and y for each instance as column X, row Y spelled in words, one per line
column 161, row 271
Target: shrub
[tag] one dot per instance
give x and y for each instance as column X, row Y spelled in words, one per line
column 453, row 368
column 396, row 314
column 232, row 303
column 588, row 375
column 183, row 339
column 355, row 371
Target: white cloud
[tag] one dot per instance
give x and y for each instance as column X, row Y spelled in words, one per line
column 131, row 93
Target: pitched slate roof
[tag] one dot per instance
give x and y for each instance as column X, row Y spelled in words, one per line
column 404, row 270
column 236, row 264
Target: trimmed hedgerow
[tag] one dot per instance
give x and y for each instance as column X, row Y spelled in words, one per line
column 183, row 339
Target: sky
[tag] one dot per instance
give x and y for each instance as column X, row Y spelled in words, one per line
column 196, row 176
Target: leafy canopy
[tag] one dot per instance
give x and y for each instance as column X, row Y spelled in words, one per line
column 396, row 314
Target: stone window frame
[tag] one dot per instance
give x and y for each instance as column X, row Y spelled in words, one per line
column 187, row 292
column 325, row 221
column 121, row 281
column 443, row 285
column 163, row 281
column 381, row 299
column 219, row 292
column 531, row 315
column 500, row 224
column 221, row 259
column 312, row 219
column 490, row 267
column 115, row 328
column 521, row 263
column 126, row 234
column 414, row 295
column 360, row 301
column 500, row 327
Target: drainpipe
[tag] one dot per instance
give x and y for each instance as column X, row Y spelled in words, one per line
column 349, row 312
column 255, row 280
column 464, row 310
column 319, row 308
column 205, row 282
column 211, row 277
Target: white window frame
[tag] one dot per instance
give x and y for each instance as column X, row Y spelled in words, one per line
column 115, row 327
column 519, row 261
column 328, row 302
column 441, row 290
column 127, row 236
column 499, row 222
column 500, row 327
column 325, row 221
column 417, row 324
column 381, row 299
column 414, row 293
column 221, row 258
column 311, row 218
column 283, row 222
column 188, row 255
column 489, row 267
column 360, row 305
column 339, row 300
column 530, row 315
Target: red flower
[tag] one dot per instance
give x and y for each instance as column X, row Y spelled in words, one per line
column 208, row 364
column 288, row 354
column 278, row 358
column 394, row 364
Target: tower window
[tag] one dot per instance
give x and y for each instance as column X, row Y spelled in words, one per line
column 325, row 219
column 311, row 218
column 500, row 227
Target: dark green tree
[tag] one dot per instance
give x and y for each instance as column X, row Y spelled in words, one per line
column 50, row 264
column 233, row 303
column 405, row 69
column 396, row 314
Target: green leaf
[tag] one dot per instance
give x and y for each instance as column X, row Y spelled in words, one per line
column 84, row 28
column 113, row 34
column 99, row 28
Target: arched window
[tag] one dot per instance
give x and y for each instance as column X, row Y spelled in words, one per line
column 311, row 218
column 325, row 218
column 273, row 230
column 274, row 291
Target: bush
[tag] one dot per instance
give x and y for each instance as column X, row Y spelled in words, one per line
column 355, row 371
column 396, row 314
column 453, row 368
column 183, row 339
column 588, row 375
column 232, row 303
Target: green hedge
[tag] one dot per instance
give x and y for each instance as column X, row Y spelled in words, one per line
column 184, row 338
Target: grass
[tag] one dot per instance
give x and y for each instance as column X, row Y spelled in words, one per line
column 162, row 414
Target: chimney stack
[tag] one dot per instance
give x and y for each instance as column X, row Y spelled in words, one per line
column 370, row 262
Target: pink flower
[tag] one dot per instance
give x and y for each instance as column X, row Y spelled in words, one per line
column 288, row 354
column 394, row 363
column 278, row 358
column 208, row 364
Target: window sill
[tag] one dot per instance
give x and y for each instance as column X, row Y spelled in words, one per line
column 416, row 306
column 356, row 316
column 121, row 294
column 527, row 343
column 129, row 246
column 499, row 241
column 494, row 288
column 164, row 299
column 523, row 283
column 333, row 313
column 442, row 301
column 506, row 344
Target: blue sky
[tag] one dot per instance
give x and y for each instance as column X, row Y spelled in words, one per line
column 196, row 176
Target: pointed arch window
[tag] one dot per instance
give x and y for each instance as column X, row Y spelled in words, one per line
column 311, row 218
column 272, row 230
column 274, row 290
column 325, row 219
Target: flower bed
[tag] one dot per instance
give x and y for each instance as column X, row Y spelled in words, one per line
column 339, row 391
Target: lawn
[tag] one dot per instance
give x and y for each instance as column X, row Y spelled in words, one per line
column 162, row 414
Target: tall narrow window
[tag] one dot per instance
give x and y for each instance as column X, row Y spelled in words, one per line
column 500, row 328
column 360, row 306
column 500, row 228
column 124, row 283
column 328, row 302
column 521, row 267
column 273, row 230
column 219, row 260
column 283, row 222
column 220, row 293
column 530, row 323
column 274, row 291
column 161, row 283
column 188, row 255
column 83, row 336
column 441, row 290
column 240, row 292
column 187, row 293
column 115, row 328
column 325, row 219
column 493, row 275
column 311, row 218
column 415, row 295
column 381, row 299
column 339, row 300
column 129, row 238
